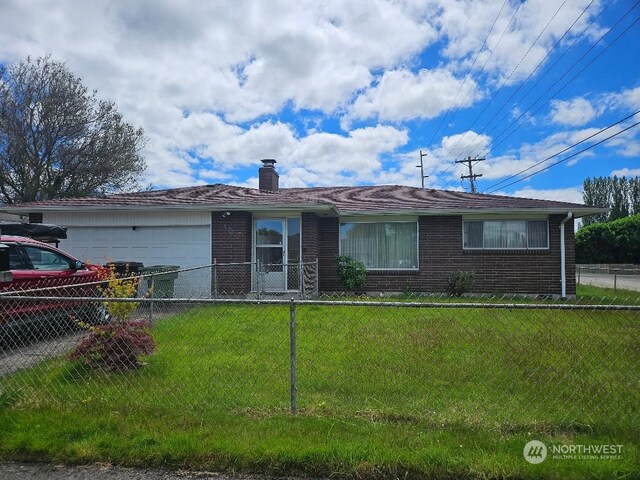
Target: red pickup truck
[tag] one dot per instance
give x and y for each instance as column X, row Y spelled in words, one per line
column 37, row 265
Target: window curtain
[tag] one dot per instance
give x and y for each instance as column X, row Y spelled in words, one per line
column 506, row 234
column 381, row 245
column 538, row 234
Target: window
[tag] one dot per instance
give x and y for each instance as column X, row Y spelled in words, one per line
column 16, row 260
column 42, row 259
column 381, row 245
column 505, row 234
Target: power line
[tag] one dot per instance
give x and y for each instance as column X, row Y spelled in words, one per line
column 472, row 176
column 494, row 96
column 421, row 167
column 569, row 157
column 578, row 37
column 473, row 65
column 513, row 71
column 493, row 145
column 493, row 187
column 540, row 63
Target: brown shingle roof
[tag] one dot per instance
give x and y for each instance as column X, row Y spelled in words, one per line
column 375, row 199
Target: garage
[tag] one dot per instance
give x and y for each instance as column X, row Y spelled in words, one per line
column 186, row 246
column 181, row 238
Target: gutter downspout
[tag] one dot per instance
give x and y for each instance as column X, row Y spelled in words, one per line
column 563, row 267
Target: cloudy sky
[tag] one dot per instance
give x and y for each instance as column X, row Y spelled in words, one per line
column 349, row 92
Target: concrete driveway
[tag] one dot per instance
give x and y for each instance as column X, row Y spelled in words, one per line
column 28, row 355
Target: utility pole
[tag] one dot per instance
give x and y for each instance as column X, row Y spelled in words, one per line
column 421, row 167
column 472, row 176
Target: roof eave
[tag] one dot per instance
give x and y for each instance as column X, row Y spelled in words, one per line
column 136, row 208
column 577, row 211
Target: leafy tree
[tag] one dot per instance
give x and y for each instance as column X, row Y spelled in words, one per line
column 620, row 194
column 619, row 199
column 59, row 140
column 634, row 195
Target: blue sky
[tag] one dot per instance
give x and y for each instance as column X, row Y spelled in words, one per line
column 348, row 93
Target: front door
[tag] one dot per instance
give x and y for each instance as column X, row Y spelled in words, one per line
column 277, row 254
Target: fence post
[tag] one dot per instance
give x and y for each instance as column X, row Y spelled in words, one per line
column 258, row 278
column 292, row 356
column 317, row 275
column 215, row 278
column 301, row 278
column 579, row 272
column 615, row 280
column 152, row 284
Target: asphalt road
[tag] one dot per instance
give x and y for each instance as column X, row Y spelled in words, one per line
column 626, row 282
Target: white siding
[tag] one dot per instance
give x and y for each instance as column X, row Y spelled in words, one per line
column 127, row 218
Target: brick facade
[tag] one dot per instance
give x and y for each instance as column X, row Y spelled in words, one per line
column 441, row 252
column 231, row 240
column 310, row 237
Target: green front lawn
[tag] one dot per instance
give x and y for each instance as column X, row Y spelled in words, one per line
column 382, row 391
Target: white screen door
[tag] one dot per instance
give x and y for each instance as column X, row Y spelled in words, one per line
column 277, row 244
column 270, row 245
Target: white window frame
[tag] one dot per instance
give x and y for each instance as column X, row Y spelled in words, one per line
column 505, row 220
column 342, row 221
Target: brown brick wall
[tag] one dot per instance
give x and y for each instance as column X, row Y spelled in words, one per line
column 441, row 252
column 328, row 249
column 310, row 237
column 231, row 243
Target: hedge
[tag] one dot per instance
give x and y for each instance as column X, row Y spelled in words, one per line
column 612, row 242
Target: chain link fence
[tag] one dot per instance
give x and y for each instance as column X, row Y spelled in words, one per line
column 504, row 361
column 624, row 277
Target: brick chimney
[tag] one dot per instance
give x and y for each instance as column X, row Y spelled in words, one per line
column 267, row 176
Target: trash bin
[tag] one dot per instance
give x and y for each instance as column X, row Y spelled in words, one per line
column 163, row 279
column 128, row 269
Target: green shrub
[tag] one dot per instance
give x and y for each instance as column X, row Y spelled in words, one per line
column 352, row 272
column 119, row 344
column 459, row 283
column 612, row 242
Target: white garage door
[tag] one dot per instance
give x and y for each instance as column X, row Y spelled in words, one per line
column 185, row 246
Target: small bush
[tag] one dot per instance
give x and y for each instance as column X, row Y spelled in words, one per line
column 117, row 287
column 459, row 283
column 352, row 272
column 120, row 344
column 116, row 346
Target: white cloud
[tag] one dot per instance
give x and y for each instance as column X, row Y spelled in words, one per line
column 401, row 95
column 319, row 158
column 627, row 99
column 569, row 194
column 466, row 24
column 207, row 80
column 188, row 71
column 626, row 172
column 573, row 113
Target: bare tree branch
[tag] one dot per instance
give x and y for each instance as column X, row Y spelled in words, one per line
column 59, row 140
